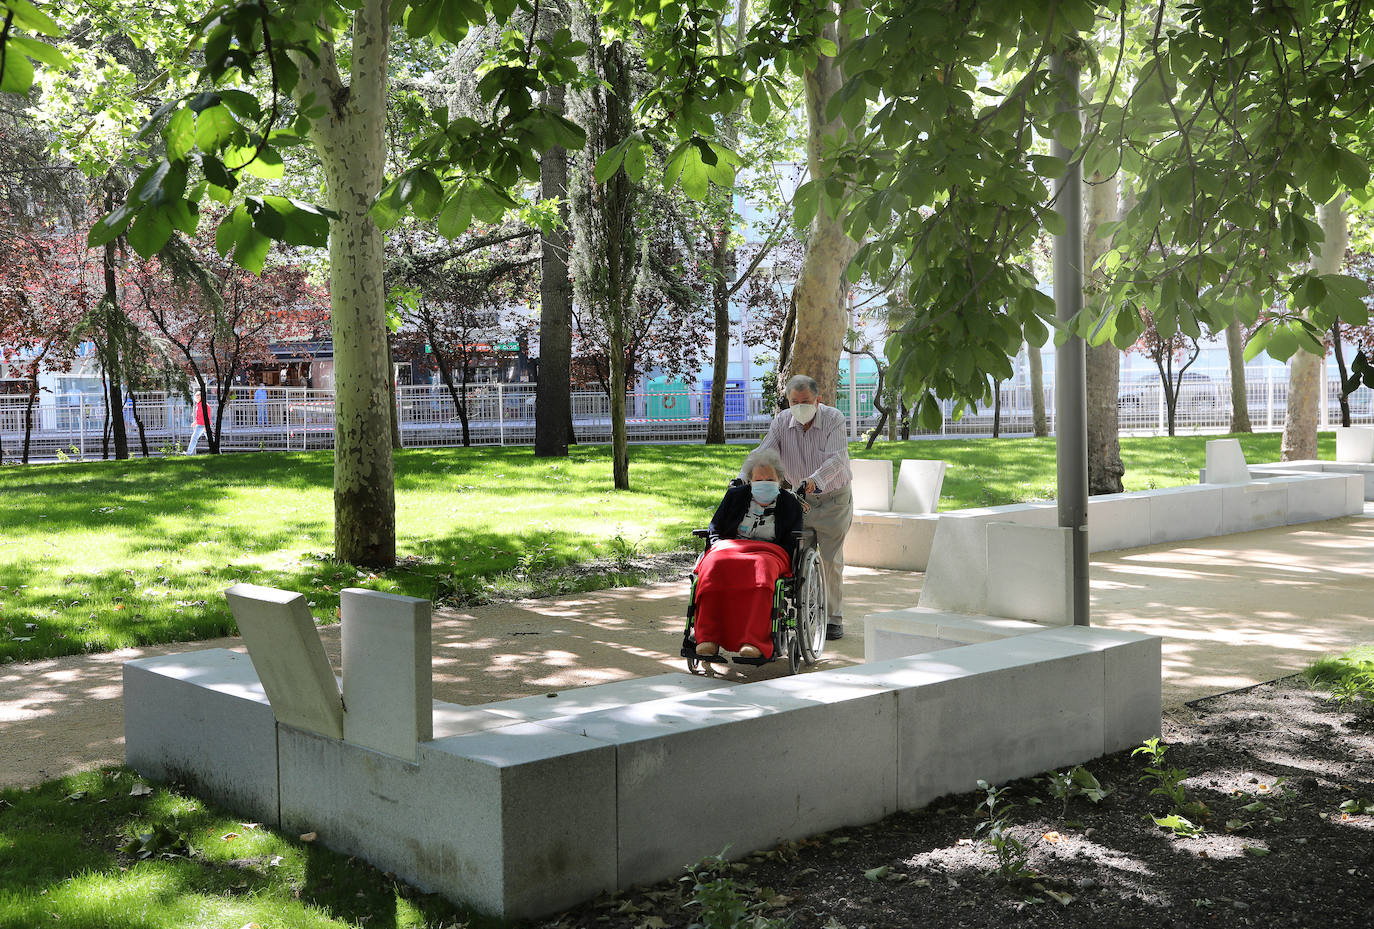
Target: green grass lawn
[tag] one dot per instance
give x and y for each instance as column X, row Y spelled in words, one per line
column 72, row 855
column 103, row 555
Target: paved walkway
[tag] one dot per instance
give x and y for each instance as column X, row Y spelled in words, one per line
column 1234, row 611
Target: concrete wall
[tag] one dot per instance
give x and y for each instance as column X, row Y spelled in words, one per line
column 528, row 817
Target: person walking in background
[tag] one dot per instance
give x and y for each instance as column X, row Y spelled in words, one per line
column 260, row 397
column 202, row 420
column 810, row 437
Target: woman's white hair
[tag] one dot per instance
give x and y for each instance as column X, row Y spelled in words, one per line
column 766, row 457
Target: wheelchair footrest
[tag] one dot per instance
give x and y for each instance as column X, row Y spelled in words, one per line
column 756, row 662
column 714, row 659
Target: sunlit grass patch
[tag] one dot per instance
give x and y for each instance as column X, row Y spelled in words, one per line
column 100, row 555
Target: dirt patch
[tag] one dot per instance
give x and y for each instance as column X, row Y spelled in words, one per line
column 1273, row 766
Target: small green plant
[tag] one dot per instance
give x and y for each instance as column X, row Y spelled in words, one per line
column 1077, row 782
column 721, row 901
column 624, row 550
column 1350, row 676
column 161, row 841
column 1013, row 856
column 1185, row 816
column 530, row 561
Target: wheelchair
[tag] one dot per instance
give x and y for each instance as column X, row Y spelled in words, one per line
column 798, row 612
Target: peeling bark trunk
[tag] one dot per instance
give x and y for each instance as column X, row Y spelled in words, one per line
column 1103, row 371
column 553, row 392
column 1235, row 356
column 351, row 141
column 821, row 290
column 1305, row 390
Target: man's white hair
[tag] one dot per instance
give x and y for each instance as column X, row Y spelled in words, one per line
column 802, row 382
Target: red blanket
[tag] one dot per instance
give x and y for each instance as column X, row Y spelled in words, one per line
column 734, row 598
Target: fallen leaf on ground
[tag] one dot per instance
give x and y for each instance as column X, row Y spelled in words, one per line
column 1053, row 837
column 309, row 836
column 140, row 790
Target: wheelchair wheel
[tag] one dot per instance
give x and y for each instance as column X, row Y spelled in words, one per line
column 693, row 666
column 811, row 606
column 794, row 657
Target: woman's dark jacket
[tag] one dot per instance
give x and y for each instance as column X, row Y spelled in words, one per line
column 787, row 517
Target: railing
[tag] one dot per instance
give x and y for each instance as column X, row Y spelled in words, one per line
column 74, row 425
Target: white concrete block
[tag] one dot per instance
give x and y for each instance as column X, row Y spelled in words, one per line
column 1030, row 572
column 202, row 719
column 1226, row 462
column 517, row 822
column 286, row 650
column 1132, row 700
column 579, row 700
column 897, row 633
column 896, row 541
column 1117, row 521
column 1317, row 497
column 957, row 575
column 745, row 767
column 997, row 711
column 918, row 486
column 1178, row 513
column 872, row 483
column 387, row 677
column 1259, row 504
column 1355, row 444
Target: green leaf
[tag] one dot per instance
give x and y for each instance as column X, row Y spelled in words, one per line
column 932, row 417
column 267, row 165
column 456, row 215
column 180, row 134
column 230, row 229
column 1283, row 343
column 30, row 17
column 1259, row 341
column 150, row 231
column 250, row 252
column 695, row 175
column 1054, row 223
column 609, row 162
column 110, row 227
column 39, row 51
column 759, row 105
column 804, row 205
column 636, row 162
column 421, row 18
column 17, row 77
column 1049, row 165
column 214, row 127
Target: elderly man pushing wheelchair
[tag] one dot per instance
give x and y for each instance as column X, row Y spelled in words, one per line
column 810, row 437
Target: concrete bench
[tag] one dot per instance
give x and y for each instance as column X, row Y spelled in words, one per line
column 1354, row 455
column 894, row 523
column 524, row 807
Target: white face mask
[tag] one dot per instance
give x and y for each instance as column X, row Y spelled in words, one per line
column 803, row 412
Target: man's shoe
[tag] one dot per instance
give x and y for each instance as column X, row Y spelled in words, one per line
column 834, row 631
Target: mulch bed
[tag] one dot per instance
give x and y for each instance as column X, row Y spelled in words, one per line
column 1274, row 765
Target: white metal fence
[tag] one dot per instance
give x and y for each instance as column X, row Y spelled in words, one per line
column 75, row 425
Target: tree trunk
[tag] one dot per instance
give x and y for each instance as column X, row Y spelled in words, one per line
column 351, row 140
column 722, row 259
column 1039, row 422
column 28, row 414
column 1103, row 372
column 463, row 392
column 553, row 392
column 138, row 421
column 821, row 290
column 1339, row 352
column 996, row 409
column 110, row 360
column 391, row 397
column 1305, row 390
column 1235, row 357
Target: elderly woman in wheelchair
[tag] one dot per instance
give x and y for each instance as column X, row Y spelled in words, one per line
column 757, row 589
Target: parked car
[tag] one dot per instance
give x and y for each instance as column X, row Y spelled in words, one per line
column 1196, row 393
